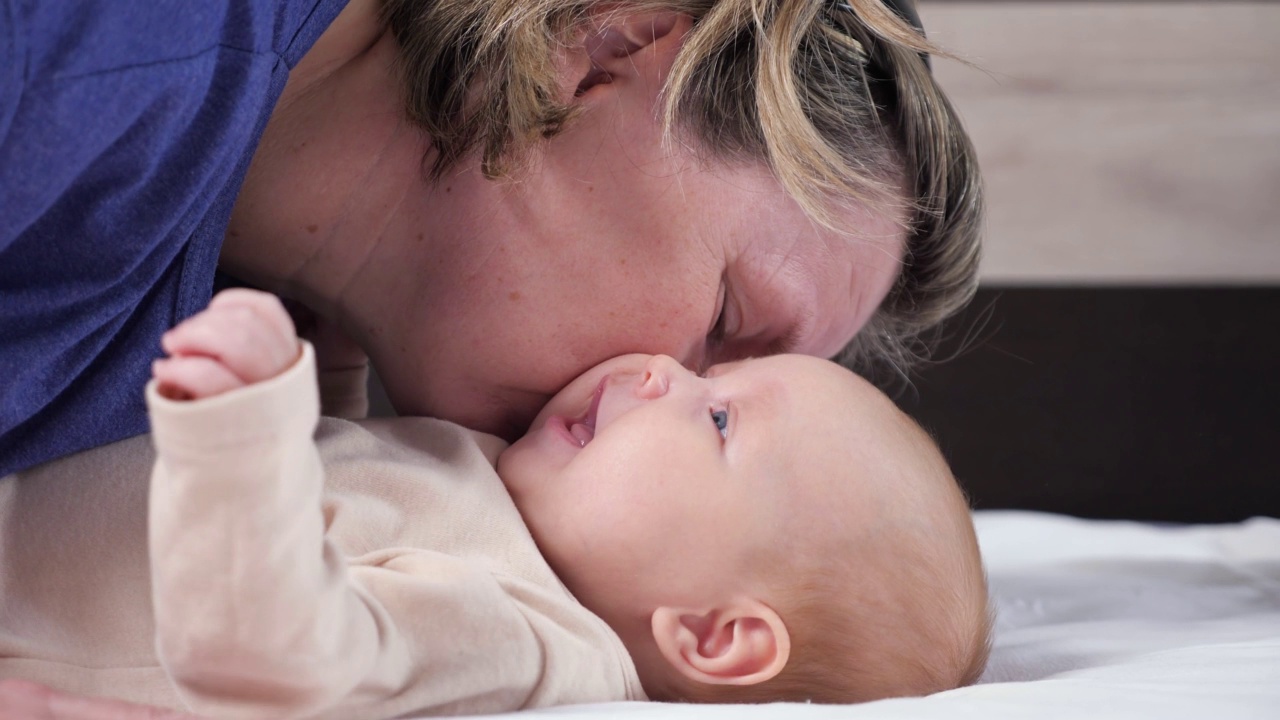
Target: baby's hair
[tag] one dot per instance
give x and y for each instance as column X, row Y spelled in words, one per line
column 905, row 613
column 834, row 97
column 847, row 648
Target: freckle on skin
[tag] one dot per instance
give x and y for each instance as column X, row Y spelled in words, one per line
column 312, row 228
column 420, row 237
column 448, row 188
column 514, row 296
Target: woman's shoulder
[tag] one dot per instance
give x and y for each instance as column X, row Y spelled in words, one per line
column 94, row 36
column 125, row 133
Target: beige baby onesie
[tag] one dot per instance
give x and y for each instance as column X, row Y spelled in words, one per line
column 377, row 571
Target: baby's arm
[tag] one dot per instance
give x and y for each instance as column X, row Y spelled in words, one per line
column 244, row 337
column 254, row 611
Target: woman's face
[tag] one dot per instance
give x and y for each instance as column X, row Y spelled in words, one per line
column 479, row 299
column 611, row 243
column 612, row 248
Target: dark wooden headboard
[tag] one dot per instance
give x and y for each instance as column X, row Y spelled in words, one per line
column 1151, row 403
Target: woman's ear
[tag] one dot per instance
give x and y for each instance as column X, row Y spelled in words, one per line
column 617, row 45
column 741, row 643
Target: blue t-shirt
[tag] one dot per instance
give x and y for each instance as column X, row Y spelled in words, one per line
column 126, row 128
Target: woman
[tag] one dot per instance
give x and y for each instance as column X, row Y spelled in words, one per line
column 487, row 196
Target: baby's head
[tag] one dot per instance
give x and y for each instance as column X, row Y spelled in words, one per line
column 773, row 530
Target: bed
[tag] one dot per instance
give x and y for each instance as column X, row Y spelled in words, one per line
column 1096, row 619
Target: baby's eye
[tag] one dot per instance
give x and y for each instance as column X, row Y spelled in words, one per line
column 721, row 419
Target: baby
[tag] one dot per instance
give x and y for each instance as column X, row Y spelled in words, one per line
column 774, row 529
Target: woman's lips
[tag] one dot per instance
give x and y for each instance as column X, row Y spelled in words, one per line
column 582, row 430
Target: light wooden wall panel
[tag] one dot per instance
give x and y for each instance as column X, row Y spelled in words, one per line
column 1122, row 142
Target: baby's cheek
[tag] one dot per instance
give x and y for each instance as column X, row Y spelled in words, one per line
column 592, row 504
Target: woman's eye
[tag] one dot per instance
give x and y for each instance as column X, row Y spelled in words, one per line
column 728, row 321
column 716, row 334
column 717, row 331
column 721, row 419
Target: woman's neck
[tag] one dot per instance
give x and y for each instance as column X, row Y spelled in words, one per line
column 337, row 212
column 334, row 158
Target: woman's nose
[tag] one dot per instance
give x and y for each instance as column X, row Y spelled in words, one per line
column 657, row 375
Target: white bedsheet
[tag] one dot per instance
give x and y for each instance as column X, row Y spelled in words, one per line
column 1095, row 620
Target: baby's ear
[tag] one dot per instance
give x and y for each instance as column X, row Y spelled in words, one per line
column 743, row 642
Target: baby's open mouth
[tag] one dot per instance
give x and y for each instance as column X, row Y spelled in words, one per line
column 584, row 430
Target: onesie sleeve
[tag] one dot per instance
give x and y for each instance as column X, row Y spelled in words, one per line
column 254, row 612
column 258, row 613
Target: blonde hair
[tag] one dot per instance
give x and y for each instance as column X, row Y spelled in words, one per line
column 833, row 96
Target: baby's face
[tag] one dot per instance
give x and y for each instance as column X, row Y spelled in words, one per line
column 645, row 484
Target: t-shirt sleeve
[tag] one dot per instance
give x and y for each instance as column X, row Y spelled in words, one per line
column 258, row 613
column 125, row 133
column 11, row 69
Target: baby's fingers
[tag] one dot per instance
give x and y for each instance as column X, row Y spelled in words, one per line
column 239, row 338
column 193, row 377
column 268, row 307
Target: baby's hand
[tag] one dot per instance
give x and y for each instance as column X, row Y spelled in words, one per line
column 243, row 337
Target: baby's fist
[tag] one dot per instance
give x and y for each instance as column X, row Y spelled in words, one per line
column 243, row 337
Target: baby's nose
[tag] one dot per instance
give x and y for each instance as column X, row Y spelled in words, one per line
column 656, row 378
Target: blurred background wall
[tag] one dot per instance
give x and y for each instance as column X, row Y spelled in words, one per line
column 1122, row 357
